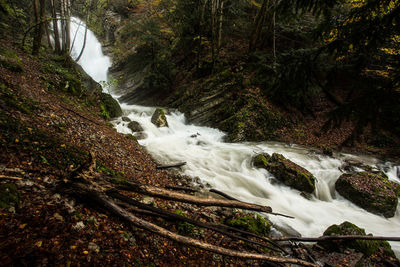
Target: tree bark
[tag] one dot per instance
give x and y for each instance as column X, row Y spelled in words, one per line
column 57, row 46
column 258, row 23
column 171, row 195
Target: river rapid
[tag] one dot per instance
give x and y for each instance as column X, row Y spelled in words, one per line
column 227, row 166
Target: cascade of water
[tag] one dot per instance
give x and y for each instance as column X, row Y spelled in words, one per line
column 227, row 167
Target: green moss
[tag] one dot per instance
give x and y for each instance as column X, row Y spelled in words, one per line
column 9, row 196
column 367, row 247
column 253, row 223
column 184, row 228
column 260, row 161
column 131, row 137
column 110, row 107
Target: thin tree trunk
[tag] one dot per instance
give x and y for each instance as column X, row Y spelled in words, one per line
column 68, row 26
column 47, row 25
column 86, row 30
column 221, row 13
column 258, row 23
column 36, row 37
column 57, row 46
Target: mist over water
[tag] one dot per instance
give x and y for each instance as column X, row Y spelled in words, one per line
column 227, row 166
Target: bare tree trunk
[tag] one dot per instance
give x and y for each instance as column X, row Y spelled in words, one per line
column 36, row 36
column 221, row 13
column 67, row 4
column 203, row 8
column 57, row 46
column 257, row 28
column 86, row 30
column 274, row 36
column 47, row 25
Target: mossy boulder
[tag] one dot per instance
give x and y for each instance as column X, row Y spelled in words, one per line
column 286, row 171
column 370, row 248
column 134, row 126
column 109, row 106
column 9, row 196
column 371, row 191
column 250, row 222
column 159, row 119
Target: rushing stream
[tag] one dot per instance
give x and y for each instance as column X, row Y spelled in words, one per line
column 227, row 166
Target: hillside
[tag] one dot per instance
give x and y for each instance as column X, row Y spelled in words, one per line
column 74, row 191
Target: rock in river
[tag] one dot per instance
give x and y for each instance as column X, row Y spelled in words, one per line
column 371, row 191
column 286, row 171
column 159, row 118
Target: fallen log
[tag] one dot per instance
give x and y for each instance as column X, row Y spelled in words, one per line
column 176, row 165
column 336, row 237
column 153, row 211
column 172, row 195
column 232, row 198
column 86, row 192
column 182, row 188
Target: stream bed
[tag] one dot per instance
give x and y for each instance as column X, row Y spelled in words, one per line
column 227, row 166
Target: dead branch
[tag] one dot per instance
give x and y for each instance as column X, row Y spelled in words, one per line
column 212, row 190
column 10, row 177
column 172, row 216
column 232, row 198
column 81, row 190
column 336, row 237
column 171, row 195
column 162, row 167
column 182, row 188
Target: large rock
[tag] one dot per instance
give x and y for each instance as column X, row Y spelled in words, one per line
column 159, row 118
column 134, row 126
column 373, row 192
column 372, row 249
column 286, row 171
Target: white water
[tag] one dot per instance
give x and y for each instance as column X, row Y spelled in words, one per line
column 227, row 167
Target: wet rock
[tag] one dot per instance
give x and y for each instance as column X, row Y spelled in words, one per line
column 159, row 119
column 370, row 248
column 286, row 171
column 327, row 151
column 126, row 119
column 372, row 192
column 134, row 126
column 141, row 135
column 110, row 106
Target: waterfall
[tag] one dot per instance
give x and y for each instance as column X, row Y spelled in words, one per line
column 227, row 166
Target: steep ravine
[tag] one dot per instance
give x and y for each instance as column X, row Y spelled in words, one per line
column 227, row 167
